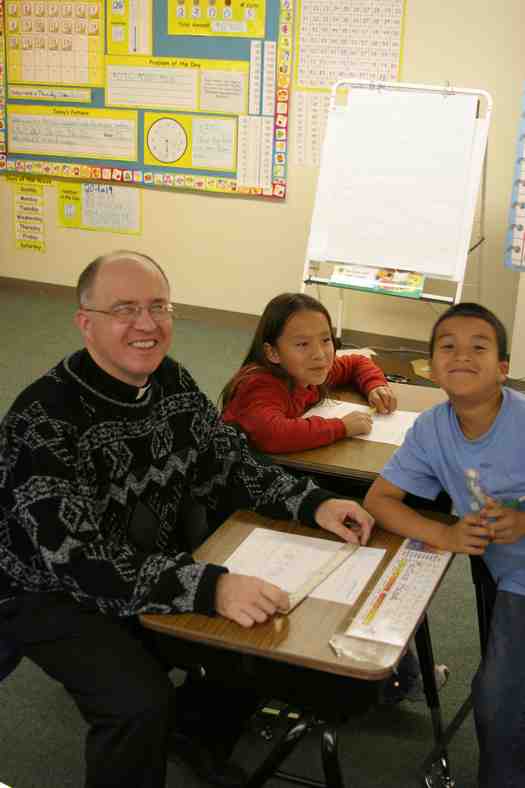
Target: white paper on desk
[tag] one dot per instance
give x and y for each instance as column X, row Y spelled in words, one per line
column 388, row 428
column 287, row 560
column 362, row 351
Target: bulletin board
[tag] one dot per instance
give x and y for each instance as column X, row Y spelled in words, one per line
column 189, row 94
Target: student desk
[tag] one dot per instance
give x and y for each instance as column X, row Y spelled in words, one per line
column 354, row 458
column 289, row 658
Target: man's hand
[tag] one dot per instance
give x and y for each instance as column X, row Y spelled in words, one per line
column 357, row 423
column 345, row 519
column 469, row 535
column 248, row 600
column 383, row 399
column 505, row 525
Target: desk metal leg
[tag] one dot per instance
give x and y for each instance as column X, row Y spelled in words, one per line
column 329, row 754
column 434, row 756
column 281, row 751
column 439, row 774
column 331, row 766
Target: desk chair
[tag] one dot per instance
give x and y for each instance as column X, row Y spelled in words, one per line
column 485, row 590
column 143, row 527
column 292, row 719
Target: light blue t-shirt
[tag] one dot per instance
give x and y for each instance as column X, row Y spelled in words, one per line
column 436, row 454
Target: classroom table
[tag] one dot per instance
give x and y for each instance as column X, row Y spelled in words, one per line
column 289, row 657
column 355, row 458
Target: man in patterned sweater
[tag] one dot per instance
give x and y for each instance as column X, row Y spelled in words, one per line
column 114, row 433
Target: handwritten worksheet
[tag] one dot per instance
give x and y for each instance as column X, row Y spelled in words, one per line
column 288, row 560
column 389, row 428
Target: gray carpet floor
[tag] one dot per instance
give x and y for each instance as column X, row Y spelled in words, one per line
column 41, row 731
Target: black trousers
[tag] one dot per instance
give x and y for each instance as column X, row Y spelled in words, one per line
column 117, row 673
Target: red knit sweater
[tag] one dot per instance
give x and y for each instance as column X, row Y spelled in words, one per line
column 270, row 413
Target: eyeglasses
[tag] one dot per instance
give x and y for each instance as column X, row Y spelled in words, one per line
column 130, row 313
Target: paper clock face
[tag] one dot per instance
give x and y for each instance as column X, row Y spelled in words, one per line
column 167, row 140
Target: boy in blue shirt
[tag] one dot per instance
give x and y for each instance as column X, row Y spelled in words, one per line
column 475, row 437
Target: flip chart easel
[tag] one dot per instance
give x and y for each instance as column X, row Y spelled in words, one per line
column 400, row 173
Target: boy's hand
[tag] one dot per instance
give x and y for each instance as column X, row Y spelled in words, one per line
column 357, row 423
column 469, row 535
column 382, row 399
column 505, row 525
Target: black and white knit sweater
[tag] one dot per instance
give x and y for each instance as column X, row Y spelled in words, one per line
column 78, row 450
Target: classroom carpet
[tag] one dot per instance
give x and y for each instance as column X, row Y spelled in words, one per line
column 41, row 731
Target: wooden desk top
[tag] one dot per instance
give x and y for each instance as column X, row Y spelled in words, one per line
column 300, row 638
column 353, row 457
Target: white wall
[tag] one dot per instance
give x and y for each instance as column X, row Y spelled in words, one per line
column 235, row 254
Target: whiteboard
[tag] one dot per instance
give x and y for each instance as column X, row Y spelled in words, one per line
column 399, row 177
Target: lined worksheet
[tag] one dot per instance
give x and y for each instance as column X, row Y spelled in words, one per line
column 288, row 560
column 389, row 428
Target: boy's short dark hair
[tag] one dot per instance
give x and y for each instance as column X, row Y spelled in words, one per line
column 481, row 312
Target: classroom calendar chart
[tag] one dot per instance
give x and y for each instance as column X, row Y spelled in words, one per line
column 28, row 212
column 515, row 237
column 180, row 94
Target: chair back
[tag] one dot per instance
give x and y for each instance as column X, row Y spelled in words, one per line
column 192, row 526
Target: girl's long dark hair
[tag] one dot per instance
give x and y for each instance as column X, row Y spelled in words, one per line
column 271, row 325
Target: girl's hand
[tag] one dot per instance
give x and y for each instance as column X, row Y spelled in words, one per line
column 382, row 399
column 357, row 423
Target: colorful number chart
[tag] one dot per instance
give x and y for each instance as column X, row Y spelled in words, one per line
column 515, row 238
column 181, row 94
column 2, row 90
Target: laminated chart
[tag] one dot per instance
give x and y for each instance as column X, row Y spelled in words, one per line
column 28, row 212
column 515, row 237
column 2, row 89
column 181, row 94
column 222, row 18
column 100, row 206
column 339, row 39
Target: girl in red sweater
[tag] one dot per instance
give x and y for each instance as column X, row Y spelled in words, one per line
column 290, row 366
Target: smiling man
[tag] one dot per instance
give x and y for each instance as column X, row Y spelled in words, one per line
column 100, row 451
column 472, row 447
